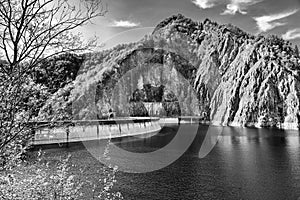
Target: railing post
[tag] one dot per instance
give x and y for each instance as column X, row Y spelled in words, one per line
column 33, row 135
column 68, row 133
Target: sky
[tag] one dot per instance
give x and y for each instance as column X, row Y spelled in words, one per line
column 129, row 20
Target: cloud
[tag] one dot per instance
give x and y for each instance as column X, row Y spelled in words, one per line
column 204, row 4
column 124, row 24
column 232, row 6
column 268, row 22
column 292, row 34
column 239, row 6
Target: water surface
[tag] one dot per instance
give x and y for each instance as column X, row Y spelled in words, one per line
column 246, row 163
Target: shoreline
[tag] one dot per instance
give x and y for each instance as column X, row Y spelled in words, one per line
column 280, row 126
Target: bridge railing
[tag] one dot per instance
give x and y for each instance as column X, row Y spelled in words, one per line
column 38, row 124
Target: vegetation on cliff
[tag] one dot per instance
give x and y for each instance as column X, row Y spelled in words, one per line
column 237, row 78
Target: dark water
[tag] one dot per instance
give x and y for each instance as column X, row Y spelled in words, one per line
column 244, row 164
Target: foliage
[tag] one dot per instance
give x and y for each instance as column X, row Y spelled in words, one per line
column 58, row 106
column 36, row 181
column 57, row 76
column 18, row 103
column 53, row 180
column 56, row 72
column 32, row 98
column 32, row 31
column 180, row 22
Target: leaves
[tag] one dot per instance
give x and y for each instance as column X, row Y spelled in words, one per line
column 55, row 180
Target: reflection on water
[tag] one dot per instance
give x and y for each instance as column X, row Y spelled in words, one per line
column 265, row 162
column 246, row 163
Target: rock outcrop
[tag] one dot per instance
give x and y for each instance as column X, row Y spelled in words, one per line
column 237, row 78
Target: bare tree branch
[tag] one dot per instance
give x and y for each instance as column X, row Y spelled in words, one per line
column 32, row 31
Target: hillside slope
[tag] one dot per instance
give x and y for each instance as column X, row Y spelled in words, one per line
column 237, row 78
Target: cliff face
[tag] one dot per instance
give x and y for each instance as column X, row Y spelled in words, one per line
column 241, row 78
column 216, row 71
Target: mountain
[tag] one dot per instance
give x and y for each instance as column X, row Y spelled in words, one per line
column 215, row 71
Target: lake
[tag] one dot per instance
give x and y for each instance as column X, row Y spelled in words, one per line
column 246, row 163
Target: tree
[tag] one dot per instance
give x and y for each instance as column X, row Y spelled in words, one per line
column 32, row 31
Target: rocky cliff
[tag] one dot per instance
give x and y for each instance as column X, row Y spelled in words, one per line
column 216, row 71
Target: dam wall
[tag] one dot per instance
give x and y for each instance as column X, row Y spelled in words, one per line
column 77, row 131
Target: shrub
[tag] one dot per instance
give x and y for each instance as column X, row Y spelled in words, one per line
column 38, row 180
